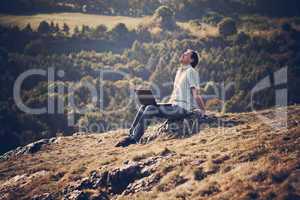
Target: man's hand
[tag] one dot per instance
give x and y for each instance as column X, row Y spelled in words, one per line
column 199, row 111
column 199, row 100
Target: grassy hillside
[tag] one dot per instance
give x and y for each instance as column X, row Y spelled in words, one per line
column 72, row 19
column 251, row 160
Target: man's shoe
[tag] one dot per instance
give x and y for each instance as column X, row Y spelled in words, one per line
column 125, row 142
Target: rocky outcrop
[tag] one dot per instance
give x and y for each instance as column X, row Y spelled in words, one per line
column 183, row 128
column 130, row 178
column 238, row 150
column 28, row 149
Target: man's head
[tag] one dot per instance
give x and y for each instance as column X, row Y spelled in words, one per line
column 189, row 57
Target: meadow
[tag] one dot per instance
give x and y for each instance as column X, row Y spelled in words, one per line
column 72, row 19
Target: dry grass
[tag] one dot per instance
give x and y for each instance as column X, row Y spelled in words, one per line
column 72, row 19
column 248, row 161
column 203, row 31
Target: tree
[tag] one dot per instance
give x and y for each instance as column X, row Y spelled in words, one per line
column 28, row 28
column 119, row 31
column 56, row 29
column 52, row 27
column 85, row 29
column 165, row 16
column 66, row 29
column 3, row 56
column 44, row 27
column 76, row 31
column 227, row 27
column 35, row 47
column 100, row 30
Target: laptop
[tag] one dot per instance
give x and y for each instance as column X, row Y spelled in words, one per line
column 146, row 97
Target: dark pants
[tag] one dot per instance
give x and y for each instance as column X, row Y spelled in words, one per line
column 145, row 113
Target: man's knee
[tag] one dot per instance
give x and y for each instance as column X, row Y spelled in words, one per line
column 151, row 109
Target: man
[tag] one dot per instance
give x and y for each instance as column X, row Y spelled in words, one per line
column 184, row 99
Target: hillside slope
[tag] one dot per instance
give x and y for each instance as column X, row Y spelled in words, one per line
column 248, row 161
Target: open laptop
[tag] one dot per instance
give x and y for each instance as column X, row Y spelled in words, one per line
column 146, row 97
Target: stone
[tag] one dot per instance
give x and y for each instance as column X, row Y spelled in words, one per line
column 119, row 179
column 45, row 196
column 76, row 195
column 28, row 149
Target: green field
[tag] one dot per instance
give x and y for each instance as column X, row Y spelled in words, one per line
column 72, row 19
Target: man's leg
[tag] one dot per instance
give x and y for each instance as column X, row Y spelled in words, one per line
column 141, row 121
column 149, row 112
column 172, row 112
column 163, row 111
column 137, row 119
column 137, row 128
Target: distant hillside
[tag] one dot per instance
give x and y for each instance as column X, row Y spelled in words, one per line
column 72, row 19
column 185, row 9
column 251, row 160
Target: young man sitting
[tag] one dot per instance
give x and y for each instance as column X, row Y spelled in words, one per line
column 184, row 99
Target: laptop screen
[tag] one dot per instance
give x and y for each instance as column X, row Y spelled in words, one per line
column 145, row 97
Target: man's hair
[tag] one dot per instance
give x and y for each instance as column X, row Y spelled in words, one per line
column 195, row 59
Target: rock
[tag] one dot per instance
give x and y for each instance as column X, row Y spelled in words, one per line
column 210, row 190
column 143, row 184
column 133, row 176
column 45, row 196
column 99, row 180
column 191, row 125
column 199, row 174
column 76, row 195
column 80, row 133
column 220, row 159
column 115, row 180
column 119, row 179
column 28, row 149
column 36, row 146
column 101, row 196
column 52, row 140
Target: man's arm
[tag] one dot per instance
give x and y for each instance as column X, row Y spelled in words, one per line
column 198, row 99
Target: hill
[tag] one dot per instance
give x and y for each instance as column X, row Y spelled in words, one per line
column 251, row 160
column 72, row 19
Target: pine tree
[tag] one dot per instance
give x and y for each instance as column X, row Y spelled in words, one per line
column 28, row 28
column 76, row 31
column 44, row 27
column 57, row 29
column 66, row 29
column 52, row 27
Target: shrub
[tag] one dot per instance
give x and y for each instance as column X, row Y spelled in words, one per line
column 120, row 31
column 44, row 27
column 92, row 122
column 286, row 27
column 165, row 16
column 212, row 18
column 227, row 27
column 35, row 47
column 242, row 38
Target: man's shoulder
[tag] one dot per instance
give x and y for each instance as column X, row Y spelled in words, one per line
column 191, row 70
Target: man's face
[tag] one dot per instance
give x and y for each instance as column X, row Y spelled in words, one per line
column 185, row 58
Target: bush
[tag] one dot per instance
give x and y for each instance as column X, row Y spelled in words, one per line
column 227, row 27
column 242, row 38
column 120, row 31
column 165, row 16
column 92, row 122
column 44, row 27
column 212, row 18
column 286, row 27
column 35, row 47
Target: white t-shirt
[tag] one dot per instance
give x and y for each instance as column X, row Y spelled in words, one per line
column 186, row 78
